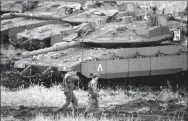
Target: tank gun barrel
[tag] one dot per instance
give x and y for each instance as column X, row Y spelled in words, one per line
column 36, row 16
column 55, row 47
column 6, row 16
column 180, row 20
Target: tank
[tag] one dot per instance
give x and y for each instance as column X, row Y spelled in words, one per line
column 50, row 32
column 124, row 49
column 97, row 15
column 43, row 14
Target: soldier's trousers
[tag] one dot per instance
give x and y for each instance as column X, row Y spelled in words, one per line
column 93, row 106
column 70, row 98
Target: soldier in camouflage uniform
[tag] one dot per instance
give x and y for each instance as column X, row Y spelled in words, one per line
column 93, row 104
column 68, row 86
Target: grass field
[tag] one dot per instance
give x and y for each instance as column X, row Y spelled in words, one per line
column 54, row 97
column 41, row 96
column 143, row 101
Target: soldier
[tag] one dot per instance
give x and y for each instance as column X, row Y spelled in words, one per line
column 30, row 46
column 41, row 45
column 68, row 87
column 154, row 9
column 93, row 104
column 151, row 18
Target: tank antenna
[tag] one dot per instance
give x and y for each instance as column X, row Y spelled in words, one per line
column 82, row 49
column 145, row 17
column 30, row 72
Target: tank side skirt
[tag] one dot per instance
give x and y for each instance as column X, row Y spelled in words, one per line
column 144, row 62
column 121, row 68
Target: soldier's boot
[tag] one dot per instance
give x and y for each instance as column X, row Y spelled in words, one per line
column 87, row 111
column 98, row 116
column 85, row 114
column 99, row 112
column 75, row 113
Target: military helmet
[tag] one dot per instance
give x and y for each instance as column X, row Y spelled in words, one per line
column 67, row 75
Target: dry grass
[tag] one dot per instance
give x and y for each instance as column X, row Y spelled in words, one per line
column 41, row 96
column 41, row 117
column 54, row 97
column 62, row 118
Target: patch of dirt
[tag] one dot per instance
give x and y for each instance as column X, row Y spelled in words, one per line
column 153, row 112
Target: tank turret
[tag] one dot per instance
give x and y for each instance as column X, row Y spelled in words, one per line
column 116, row 34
